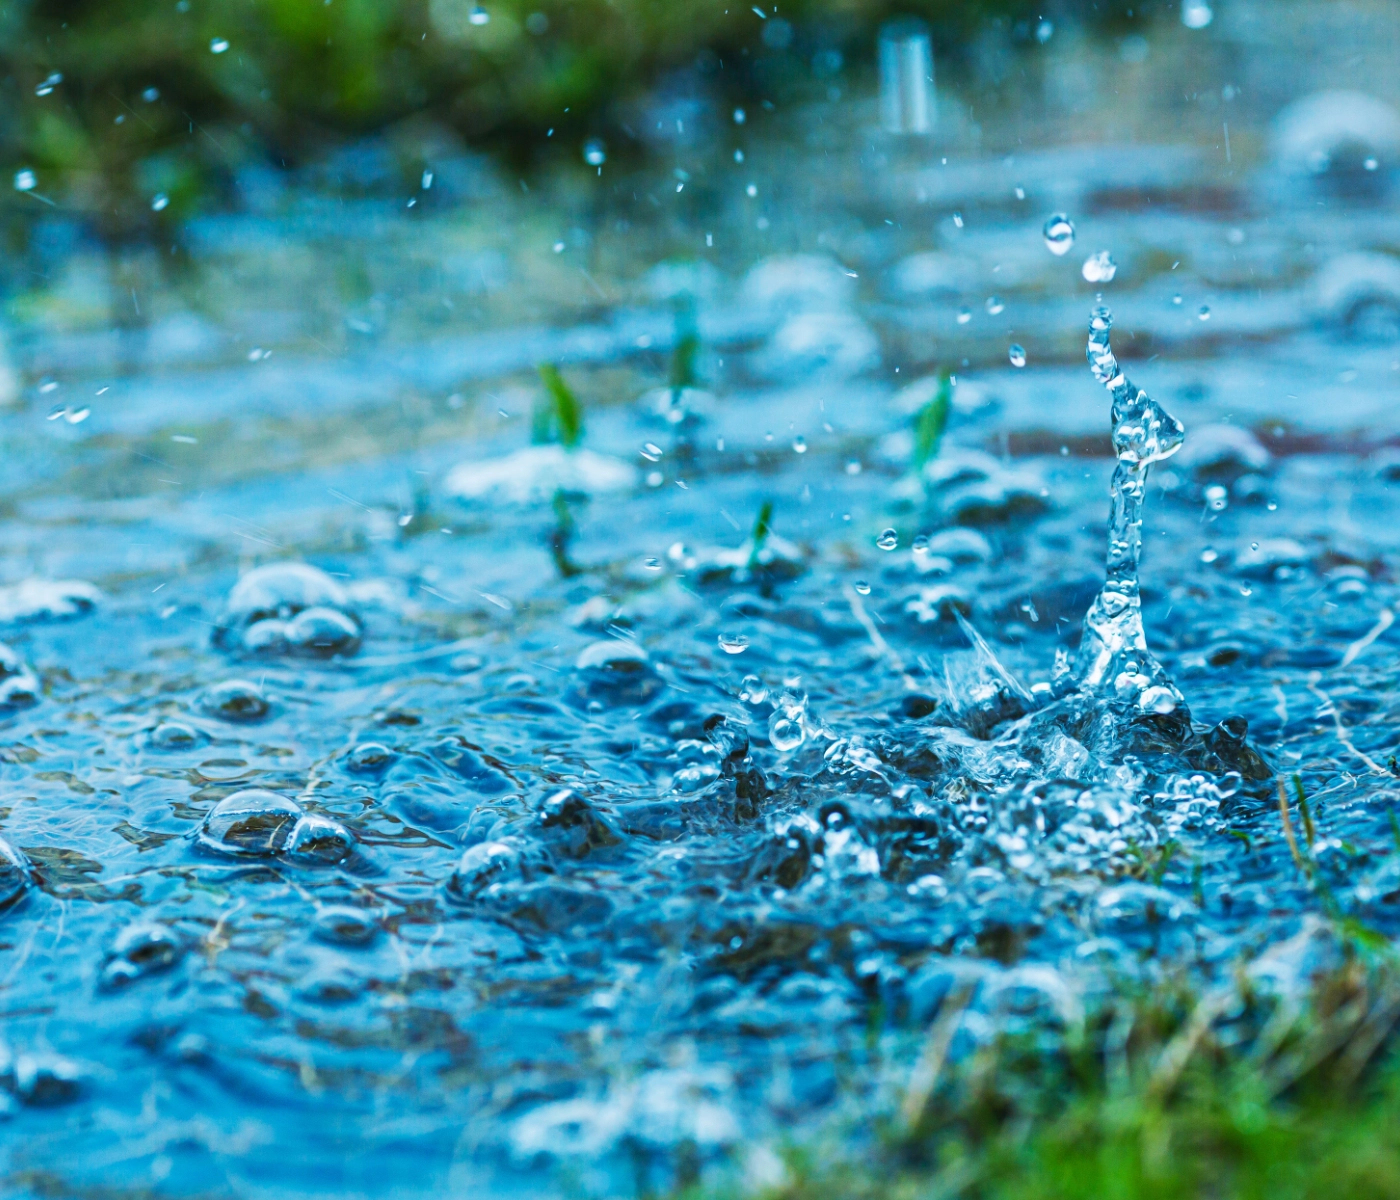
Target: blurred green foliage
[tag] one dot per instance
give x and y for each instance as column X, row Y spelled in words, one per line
column 168, row 97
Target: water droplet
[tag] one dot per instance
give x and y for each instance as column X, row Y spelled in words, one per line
column 46, row 88
column 1196, row 14
column 1204, row 314
column 1217, row 498
column 218, row 45
column 853, row 467
column 1018, row 355
column 1100, row 267
column 733, row 643
column 160, row 202
column 964, row 315
column 753, row 690
column 558, row 247
column 862, row 587
column 995, row 306
column 25, row 180
column 151, row 95
column 652, row 564
column 1371, row 164
column 479, row 16
column 739, row 116
column 248, row 824
column 1059, row 235
column 1044, row 32
column 1209, row 555
column 1177, row 298
column 887, row 540
column 651, row 451
column 595, row 154
column 784, row 733
column 752, row 189
column 76, row 416
column 799, row 444
column 1254, row 545
column 958, row 219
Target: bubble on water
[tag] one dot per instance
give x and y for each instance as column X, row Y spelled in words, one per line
column 25, row 180
column 218, row 45
column 1204, row 314
column 252, row 823
column 888, row 539
column 173, row 735
column 160, row 202
column 1100, row 267
column 995, row 305
column 484, row 867
column 733, row 643
column 784, row 733
column 862, row 587
column 752, row 690
column 595, row 153
column 235, row 700
column 342, row 925
column 318, row 840
column 142, row 949
column 1017, row 354
column 1058, row 234
column 288, row 608
column 1196, row 14
column 614, row 672
column 369, row 758
column 964, row 315
column 479, row 16
column 15, row 874
column 799, row 445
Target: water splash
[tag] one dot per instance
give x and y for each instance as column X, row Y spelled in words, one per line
column 1114, row 661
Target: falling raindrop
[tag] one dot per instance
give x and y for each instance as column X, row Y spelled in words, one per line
column 479, row 16
column 651, row 451
column 958, row 219
column 751, row 190
column 784, row 732
column 1177, row 299
column 740, row 116
column 753, row 690
column 1204, row 314
column 1059, row 235
column 995, row 305
column 151, row 95
column 1018, row 355
column 964, row 315
column 862, row 587
column 733, row 643
column 887, row 540
column 799, row 444
column 25, row 180
column 46, row 88
column 160, row 202
column 1100, row 267
column 218, row 45
column 595, row 154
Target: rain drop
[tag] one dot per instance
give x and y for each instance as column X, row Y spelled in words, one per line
column 595, row 154
column 784, row 733
column 964, row 315
column 1059, row 235
column 479, row 16
column 1204, row 314
column 752, row 189
column 995, row 305
column 739, row 116
column 799, row 444
column 733, row 643
column 1018, row 355
column 160, row 202
column 651, row 452
column 862, row 587
column 1196, row 14
column 753, row 690
column 1100, row 267
column 887, row 540
column 652, row 564
column 1177, row 299
column 25, row 180
column 218, row 45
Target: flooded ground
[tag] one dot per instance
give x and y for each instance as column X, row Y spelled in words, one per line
column 557, row 833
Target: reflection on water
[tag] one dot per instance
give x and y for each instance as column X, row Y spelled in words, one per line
column 393, row 802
